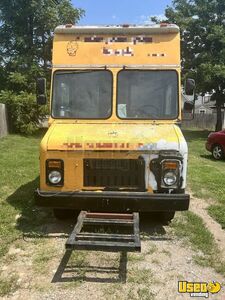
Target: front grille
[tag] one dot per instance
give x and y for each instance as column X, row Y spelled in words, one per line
column 115, row 173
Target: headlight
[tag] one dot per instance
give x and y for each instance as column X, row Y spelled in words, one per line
column 54, row 172
column 170, row 174
column 169, row 178
column 54, row 177
column 211, row 134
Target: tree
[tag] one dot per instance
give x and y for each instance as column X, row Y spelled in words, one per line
column 202, row 24
column 26, row 31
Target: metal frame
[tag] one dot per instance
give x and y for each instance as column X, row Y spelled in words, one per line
column 118, row 66
column 147, row 70
column 121, row 30
column 105, row 241
column 56, row 72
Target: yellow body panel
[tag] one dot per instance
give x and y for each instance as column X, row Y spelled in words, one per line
column 74, row 142
column 164, row 50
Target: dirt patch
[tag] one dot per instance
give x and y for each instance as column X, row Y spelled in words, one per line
column 45, row 271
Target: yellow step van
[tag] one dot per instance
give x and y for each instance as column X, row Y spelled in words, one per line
column 114, row 141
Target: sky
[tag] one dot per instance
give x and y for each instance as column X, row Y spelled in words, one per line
column 99, row 12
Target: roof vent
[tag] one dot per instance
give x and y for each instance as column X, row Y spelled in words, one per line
column 69, row 25
column 164, row 24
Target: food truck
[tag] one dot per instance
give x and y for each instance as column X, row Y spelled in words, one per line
column 114, row 142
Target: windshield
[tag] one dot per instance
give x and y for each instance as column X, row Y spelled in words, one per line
column 82, row 94
column 144, row 94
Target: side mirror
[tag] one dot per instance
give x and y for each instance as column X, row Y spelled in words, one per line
column 189, row 87
column 188, row 109
column 41, row 91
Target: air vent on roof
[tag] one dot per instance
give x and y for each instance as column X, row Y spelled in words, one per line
column 69, row 25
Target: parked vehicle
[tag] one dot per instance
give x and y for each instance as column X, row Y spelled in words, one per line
column 216, row 144
column 114, row 142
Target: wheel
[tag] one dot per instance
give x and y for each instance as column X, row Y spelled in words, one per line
column 63, row 214
column 217, row 152
column 166, row 217
column 162, row 217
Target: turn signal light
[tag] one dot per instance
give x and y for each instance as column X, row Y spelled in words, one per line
column 171, row 165
column 55, row 164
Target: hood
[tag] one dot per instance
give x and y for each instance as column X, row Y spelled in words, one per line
column 111, row 137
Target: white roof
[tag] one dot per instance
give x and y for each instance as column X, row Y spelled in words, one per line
column 123, row 30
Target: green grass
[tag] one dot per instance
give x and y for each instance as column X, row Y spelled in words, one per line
column 206, row 176
column 19, row 178
column 138, row 276
column 145, row 294
column 9, row 285
column 191, row 227
column 136, row 257
column 42, row 257
column 218, row 213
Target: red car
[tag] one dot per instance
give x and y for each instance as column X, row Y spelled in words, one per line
column 216, row 144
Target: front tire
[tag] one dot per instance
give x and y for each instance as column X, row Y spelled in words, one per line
column 217, row 152
column 63, row 214
column 166, row 217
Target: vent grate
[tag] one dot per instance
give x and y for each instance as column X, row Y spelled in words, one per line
column 114, row 173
